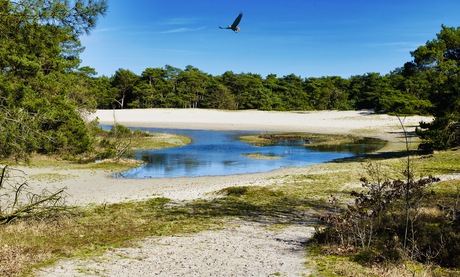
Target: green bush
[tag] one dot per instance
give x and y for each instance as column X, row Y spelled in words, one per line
column 120, row 131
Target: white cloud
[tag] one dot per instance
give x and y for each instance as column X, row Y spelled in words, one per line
column 182, row 30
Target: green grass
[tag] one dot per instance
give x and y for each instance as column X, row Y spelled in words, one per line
column 159, row 141
column 260, row 156
column 444, row 162
column 309, row 138
column 327, row 264
column 292, row 199
column 84, row 232
column 146, row 141
column 50, row 177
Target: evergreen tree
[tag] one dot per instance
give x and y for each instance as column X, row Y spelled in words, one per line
column 39, row 59
column 438, row 62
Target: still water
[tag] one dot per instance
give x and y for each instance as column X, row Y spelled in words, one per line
column 214, row 153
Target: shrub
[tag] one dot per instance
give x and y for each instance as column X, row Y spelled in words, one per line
column 120, row 131
column 387, row 219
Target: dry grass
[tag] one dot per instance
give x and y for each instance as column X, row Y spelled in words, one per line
column 91, row 231
column 260, row 156
column 27, row 244
column 334, row 266
column 310, row 139
column 158, row 141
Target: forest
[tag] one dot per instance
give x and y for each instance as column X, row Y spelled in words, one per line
column 44, row 89
column 171, row 87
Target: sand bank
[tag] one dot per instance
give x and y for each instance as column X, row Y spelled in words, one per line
column 325, row 122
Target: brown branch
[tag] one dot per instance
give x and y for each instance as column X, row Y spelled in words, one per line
column 3, row 176
column 30, row 207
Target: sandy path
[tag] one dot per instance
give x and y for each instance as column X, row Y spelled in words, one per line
column 246, row 249
column 242, row 249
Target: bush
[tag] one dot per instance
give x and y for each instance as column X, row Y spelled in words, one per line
column 389, row 218
column 64, row 131
column 120, row 131
column 438, row 242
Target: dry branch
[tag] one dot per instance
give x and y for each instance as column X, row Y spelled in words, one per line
column 16, row 201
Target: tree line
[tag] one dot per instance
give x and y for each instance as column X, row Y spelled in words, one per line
column 171, row 87
column 44, row 90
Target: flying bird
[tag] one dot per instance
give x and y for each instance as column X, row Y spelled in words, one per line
column 234, row 27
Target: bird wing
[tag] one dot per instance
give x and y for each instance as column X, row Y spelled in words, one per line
column 237, row 21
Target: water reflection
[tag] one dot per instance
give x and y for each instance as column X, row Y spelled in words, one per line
column 221, row 153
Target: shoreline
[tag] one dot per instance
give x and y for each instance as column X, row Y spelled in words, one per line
column 241, row 247
column 361, row 123
column 99, row 187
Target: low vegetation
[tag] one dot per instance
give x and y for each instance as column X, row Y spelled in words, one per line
column 301, row 138
column 121, row 142
column 83, row 232
column 394, row 224
column 305, row 198
column 260, row 156
column 320, row 142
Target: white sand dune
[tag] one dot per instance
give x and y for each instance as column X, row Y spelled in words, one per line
column 329, row 122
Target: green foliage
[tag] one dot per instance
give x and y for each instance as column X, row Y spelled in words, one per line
column 63, row 130
column 441, row 133
column 171, row 87
column 124, row 82
column 18, row 133
column 219, row 98
column 329, row 93
column 438, row 240
column 118, row 144
column 438, row 62
column 42, row 89
column 120, row 131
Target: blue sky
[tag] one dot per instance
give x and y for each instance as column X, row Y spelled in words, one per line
column 309, row 38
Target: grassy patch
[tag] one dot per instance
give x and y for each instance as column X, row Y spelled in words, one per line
column 51, row 177
column 154, row 141
column 109, row 165
column 260, row 156
column 262, row 204
column 319, row 142
column 327, row 264
column 443, row 162
column 310, row 139
column 92, row 230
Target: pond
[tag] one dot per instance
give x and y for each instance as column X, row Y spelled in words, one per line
column 213, row 153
